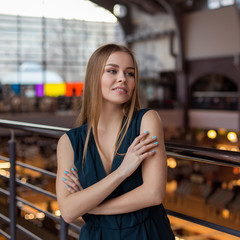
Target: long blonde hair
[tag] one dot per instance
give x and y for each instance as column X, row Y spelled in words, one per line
column 92, row 94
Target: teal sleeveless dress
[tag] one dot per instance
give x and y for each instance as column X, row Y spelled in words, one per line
column 146, row 224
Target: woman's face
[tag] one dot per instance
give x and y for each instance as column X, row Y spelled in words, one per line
column 118, row 79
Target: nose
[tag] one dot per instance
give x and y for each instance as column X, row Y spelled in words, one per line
column 121, row 77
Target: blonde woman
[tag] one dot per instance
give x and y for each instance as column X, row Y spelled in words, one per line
column 112, row 168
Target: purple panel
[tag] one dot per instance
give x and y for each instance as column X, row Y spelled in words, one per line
column 39, row 90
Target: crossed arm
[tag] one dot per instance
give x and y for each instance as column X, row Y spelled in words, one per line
column 91, row 199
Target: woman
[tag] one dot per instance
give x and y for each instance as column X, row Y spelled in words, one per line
column 118, row 153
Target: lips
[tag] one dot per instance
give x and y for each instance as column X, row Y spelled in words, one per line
column 120, row 89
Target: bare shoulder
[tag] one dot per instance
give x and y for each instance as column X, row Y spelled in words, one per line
column 64, row 141
column 151, row 118
column 64, row 145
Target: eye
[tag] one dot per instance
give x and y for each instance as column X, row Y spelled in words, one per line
column 130, row 74
column 112, row 71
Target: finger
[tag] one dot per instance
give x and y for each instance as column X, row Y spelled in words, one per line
column 75, row 185
column 146, row 148
column 139, row 138
column 73, row 176
column 75, row 180
column 71, row 184
column 70, row 189
column 147, row 154
column 74, row 172
column 145, row 142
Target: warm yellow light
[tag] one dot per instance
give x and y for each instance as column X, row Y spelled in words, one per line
column 238, row 182
column 212, row 134
column 171, row 186
column 4, row 173
column 222, row 131
column 40, row 215
column 232, row 137
column 171, row 162
column 31, row 216
column 225, row 213
column 234, row 149
column 179, row 238
column 57, row 213
column 24, row 180
column 5, row 165
column 222, row 148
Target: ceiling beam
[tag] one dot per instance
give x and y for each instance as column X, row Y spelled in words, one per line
column 126, row 21
column 150, row 6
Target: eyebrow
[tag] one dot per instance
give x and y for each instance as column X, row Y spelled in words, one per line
column 115, row 65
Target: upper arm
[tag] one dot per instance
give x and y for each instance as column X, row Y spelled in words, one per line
column 65, row 161
column 154, row 169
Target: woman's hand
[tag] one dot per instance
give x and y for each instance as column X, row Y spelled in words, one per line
column 71, row 181
column 140, row 149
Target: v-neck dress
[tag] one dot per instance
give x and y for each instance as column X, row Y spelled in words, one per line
column 146, row 224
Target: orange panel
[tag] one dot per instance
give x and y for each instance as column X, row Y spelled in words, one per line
column 74, row 89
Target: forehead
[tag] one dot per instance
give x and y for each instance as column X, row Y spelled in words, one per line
column 122, row 59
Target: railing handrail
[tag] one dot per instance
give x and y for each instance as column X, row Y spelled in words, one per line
column 207, row 155
column 203, row 154
column 22, row 125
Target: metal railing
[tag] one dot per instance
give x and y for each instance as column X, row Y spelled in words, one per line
column 205, row 155
column 43, row 130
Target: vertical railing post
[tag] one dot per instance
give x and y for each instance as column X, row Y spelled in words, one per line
column 63, row 229
column 12, row 186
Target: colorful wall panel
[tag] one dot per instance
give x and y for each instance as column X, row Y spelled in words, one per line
column 16, row 88
column 54, row 89
column 74, row 89
column 39, row 90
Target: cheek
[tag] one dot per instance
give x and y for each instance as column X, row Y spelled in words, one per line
column 132, row 85
column 104, row 84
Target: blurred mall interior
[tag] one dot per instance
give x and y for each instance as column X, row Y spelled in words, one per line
column 188, row 54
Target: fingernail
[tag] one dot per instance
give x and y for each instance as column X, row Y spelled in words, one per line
column 153, row 151
column 154, row 137
column 66, row 172
column 146, row 132
column 67, row 186
column 64, row 179
column 73, row 169
column 156, row 143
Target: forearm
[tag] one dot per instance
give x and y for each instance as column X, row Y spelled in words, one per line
column 137, row 199
column 77, row 204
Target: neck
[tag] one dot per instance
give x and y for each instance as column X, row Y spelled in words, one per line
column 110, row 118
